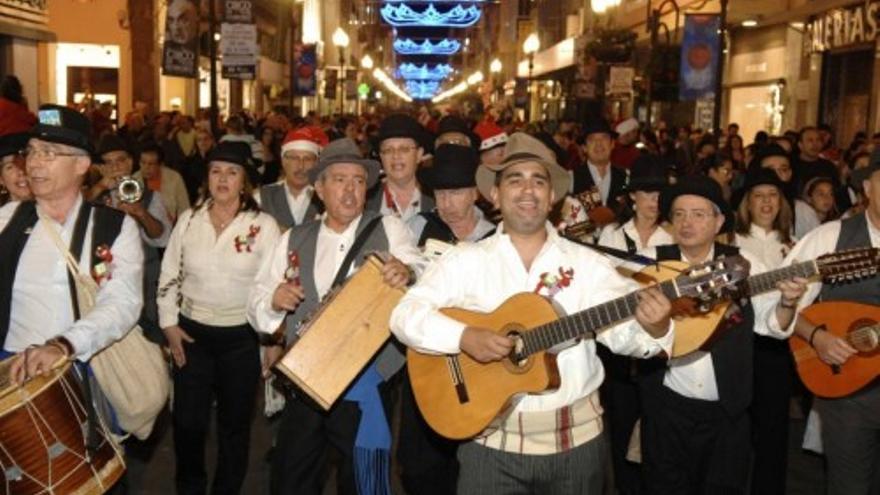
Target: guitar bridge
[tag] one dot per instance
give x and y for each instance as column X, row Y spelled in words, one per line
column 457, row 379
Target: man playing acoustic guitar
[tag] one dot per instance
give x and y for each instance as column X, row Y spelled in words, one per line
column 551, row 442
column 851, row 424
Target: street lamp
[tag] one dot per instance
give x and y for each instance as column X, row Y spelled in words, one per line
column 340, row 41
column 495, row 70
column 367, row 62
column 530, row 47
column 495, row 66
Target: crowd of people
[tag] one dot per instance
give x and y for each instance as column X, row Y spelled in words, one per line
column 222, row 245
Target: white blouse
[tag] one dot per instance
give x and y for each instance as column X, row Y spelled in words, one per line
column 218, row 271
column 613, row 236
column 765, row 245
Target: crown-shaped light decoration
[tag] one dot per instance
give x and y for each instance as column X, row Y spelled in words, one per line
column 424, row 72
column 408, row 46
column 422, row 90
column 402, row 15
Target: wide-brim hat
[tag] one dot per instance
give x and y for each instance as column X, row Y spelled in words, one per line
column 696, row 185
column 454, row 167
column 239, row 153
column 400, row 125
column 599, row 126
column 12, row 144
column 521, row 148
column 62, row 125
column 762, row 177
column 452, row 123
column 345, row 151
column 110, row 143
column 768, row 150
column 647, row 174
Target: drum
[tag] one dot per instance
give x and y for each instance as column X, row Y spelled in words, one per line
column 43, row 424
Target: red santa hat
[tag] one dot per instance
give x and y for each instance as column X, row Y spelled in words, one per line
column 491, row 135
column 309, row 139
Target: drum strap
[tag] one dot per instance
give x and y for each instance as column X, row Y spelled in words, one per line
column 353, row 252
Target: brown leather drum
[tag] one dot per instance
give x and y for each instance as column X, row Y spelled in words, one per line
column 42, row 438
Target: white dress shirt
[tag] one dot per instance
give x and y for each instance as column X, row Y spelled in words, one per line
column 417, row 224
column 218, row 270
column 820, row 241
column 613, row 236
column 330, row 251
column 41, row 304
column 602, row 183
column 693, row 375
column 766, row 245
column 805, row 218
column 297, row 204
column 481, row 276
column 404, row 212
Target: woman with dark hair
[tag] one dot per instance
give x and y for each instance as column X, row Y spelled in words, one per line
column 13, row 181
column 14, row 114
column 208, row 269
column 764, row 226
column 817, row 205
column 271, row 155
column 720, row 168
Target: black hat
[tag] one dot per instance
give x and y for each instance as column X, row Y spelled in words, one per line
column 11, row 144
column 62, row 125
column 400, row 125
column 452, row 123
column 110, row 143
column 647, row 174
column 239, row 153
column 599, row 126
column 769, row 150
column 454, row 167
column 761, row 177
column 697, row 185
column 345, row 151
column 549, row 142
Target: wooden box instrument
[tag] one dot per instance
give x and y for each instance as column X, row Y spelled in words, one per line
column 341, row 338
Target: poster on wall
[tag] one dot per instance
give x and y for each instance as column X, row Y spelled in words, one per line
column 240, row 11
column 699, row 56
column 180, row 50
column 305, row 67
column 238, row 46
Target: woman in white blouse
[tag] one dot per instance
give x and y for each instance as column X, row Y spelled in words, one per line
column 209, row 266
column 764, row 228
column 640, row 227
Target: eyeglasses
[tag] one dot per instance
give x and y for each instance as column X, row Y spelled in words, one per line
column 300, row 159
column 397, row 151
column 48, row 155
column 695, row 215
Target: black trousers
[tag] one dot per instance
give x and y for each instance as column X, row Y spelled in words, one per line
column 774, row 376
column 692, row 447
column 428, row 461
column 223, row 364
column 306, row 438
column 622, row 404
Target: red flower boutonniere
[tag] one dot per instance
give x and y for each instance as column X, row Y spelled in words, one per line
column 291, row 275
column 103, row 270
column 554, row 283
column 244, row 243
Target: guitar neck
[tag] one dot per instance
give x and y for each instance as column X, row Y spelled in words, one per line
column 587, row 321
column 765, row 282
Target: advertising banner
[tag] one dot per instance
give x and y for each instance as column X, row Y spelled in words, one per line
column 699, row 57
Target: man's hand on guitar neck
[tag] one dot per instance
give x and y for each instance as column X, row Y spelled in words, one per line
column 485, row 346
column 653, row 312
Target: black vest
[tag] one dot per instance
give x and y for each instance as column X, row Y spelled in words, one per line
column 105, row 229
column 731, row 351
column 583, row 180
column 853, row 234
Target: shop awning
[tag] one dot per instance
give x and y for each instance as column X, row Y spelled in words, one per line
column 558, row 56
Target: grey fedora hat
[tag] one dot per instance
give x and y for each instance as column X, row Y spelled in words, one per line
column 345, row 151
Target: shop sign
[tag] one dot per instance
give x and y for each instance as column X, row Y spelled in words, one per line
column 241, row 11
column 238, row 46
column 620, row 81
column 843, row 27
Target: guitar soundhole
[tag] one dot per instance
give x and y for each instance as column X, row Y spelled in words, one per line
column 863, row 336
column 517, row 362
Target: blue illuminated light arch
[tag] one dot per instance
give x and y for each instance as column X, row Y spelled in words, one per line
column 424, row 72
column 408, row 46
column 402, row 15
column 422, row 90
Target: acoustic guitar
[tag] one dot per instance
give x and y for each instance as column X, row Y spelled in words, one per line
column 459, row 397
column 859, row 325
column 697, row 327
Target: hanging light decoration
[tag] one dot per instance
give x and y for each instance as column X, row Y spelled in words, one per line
column 402, row 15
column 422, row 90
column 424, row 72
column 409, row 46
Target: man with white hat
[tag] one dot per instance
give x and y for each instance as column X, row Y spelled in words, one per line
column 550, row 442
column 292, row 200
column 625, row 151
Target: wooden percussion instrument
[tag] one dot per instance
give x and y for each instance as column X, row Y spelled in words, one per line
column 338, row 341
column 42, row 438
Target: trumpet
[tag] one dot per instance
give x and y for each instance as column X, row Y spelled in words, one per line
column 129, row 190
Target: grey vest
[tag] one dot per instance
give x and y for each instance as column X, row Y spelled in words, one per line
column 273, row 200
column 304, row 241
column 853, row 234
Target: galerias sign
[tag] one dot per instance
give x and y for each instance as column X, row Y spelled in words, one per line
column 844, row 27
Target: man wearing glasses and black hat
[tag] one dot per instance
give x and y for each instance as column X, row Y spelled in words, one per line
column 403, row 143
column 37, row 314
